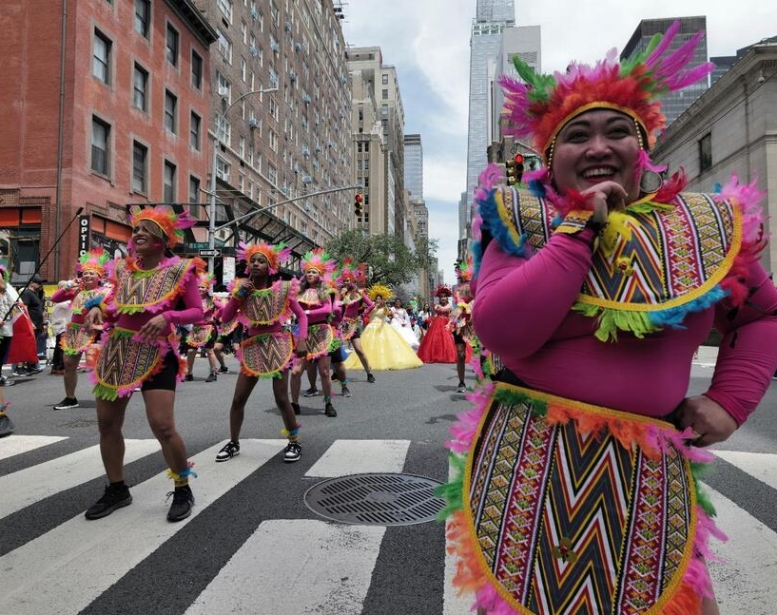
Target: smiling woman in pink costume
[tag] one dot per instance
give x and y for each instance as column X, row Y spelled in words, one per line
column 152, row 294
column 437, row 344
column 595, row 288
column 263, row 302
column 86, row 290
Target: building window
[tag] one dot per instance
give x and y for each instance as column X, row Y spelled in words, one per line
column 140, row 88
column 101, row 134
column 272, row 174
column 273, row 140
column 172, row 45
column 142, row 17
column 195, row 124
column 194, row 189
column 223, row 130
column 384, row 94
column 139, row 167
column 171, row 110
column 243, row 69
column 101, row 59
column 384, row 109
column 169, row 183
column 222, row 169
column 226, row 7
column 384, row 79
column 225, row 46
column 196, row 70
column 705, row 153
column 224, row 88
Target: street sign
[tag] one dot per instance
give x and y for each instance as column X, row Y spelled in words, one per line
column 210, row 253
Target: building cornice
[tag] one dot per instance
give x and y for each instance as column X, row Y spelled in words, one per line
column 196, row 21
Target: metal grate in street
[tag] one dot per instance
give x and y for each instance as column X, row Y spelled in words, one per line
column 376, row 499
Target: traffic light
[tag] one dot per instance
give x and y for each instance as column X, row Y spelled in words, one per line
column 358, row 204
column 514, row 169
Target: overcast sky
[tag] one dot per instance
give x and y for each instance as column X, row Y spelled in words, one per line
column 428, row 43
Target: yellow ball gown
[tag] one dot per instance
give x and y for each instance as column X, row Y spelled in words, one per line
column 384, row 346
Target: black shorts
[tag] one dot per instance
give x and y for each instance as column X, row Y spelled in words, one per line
column 338, row 356
column 358, row 333
column 226, row 340
column 457, row 339
column 166, row 379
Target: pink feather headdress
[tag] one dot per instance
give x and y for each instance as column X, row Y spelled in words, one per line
column 94, row 260
column 320, row 261
column 352, row 275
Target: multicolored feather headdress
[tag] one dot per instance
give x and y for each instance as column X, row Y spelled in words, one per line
column 464, row 270
column 94, row 261
column 379, row 290
column 544, row 104
column 169, row 222
column 276, row 255
column 205, row 279
column 320, row 261
column 352, row 275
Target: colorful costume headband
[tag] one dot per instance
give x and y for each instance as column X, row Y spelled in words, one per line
column 352, row 275
column 442, row 291
column 544, row 104
column 205, row 279
column 379, row 290
column 276, row 255
column 320, row 261
column 464, row 270
column 169, row 222
column 93, row 261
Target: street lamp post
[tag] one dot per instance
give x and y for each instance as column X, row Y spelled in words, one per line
column 214, row 165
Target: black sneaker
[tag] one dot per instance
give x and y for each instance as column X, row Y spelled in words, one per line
column 6, row 426
column 462, row 388
column 329, row 410
column 370, row 378
column 334, row 377
column 292, row 453
column 67, row 404
column 115, row 496
column 230, row 449
column 296, row 408
column 311, row 392
column 223, row 369
column 189, row 377
column 346, row 391
column 212, row 377
column 4, row 382
column 183, row 501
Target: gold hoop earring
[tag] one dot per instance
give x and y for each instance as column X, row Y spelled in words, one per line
column 650, row 182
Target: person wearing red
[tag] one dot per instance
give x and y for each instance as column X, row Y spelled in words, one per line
column 437, row 345
column 461, row 322
column 153, row 293
column 263, row 303
column 87, row 289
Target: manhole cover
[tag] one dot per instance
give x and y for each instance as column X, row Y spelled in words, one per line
column 376, row 499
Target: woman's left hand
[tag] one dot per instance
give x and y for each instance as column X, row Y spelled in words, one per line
column 153, row 328
column 708, row 419
column 301, row 348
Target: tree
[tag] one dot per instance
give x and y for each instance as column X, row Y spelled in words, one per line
column 387, row 257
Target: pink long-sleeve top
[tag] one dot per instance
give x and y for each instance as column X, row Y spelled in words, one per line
column 69, row 294
column 352, row 309
column 321, row 312
column 522, row 312
column 230, row 310
column 186, row 309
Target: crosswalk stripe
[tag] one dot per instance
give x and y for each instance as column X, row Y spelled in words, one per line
column 64, row 570
column 329, row 572
column 361, row 456
column 453, row 603
column 16, row 445
column 762, row 466
column 744, row 580
column 26, row 487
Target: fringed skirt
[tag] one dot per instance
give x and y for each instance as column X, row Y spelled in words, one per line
column 199, row 336
column 266, row 355
column 321, row 341
column 125, row 363
column 349, row 327
column 76, row 339
column 565, row 508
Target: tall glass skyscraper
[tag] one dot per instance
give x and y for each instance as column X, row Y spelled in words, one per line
column 492, row 17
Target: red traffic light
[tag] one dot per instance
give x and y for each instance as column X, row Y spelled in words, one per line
column 358, row 198
column 518, row 159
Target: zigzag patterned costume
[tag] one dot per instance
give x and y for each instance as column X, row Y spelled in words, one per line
column 268, row 349
column 321, row 335
column 76, row 338
column 126, row 362
column 575, row 492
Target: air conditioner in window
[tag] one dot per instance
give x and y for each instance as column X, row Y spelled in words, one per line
column 253, row 122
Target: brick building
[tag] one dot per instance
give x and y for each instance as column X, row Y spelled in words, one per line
column 109, row 108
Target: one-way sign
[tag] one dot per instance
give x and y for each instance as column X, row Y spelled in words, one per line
column 210, row 253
